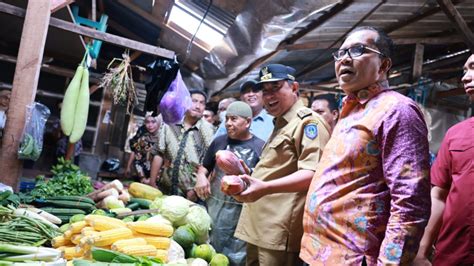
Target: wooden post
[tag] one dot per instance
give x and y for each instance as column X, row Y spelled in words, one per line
column 418, row 62
column 25, row 81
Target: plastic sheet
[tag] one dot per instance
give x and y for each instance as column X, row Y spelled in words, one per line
column 163, row 72
column 257, row 31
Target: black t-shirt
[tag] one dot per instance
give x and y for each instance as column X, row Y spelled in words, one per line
column 223, row 142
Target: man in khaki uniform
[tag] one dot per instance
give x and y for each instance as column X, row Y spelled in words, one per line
column 271, row 219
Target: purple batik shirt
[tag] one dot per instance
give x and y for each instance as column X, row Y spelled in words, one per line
column 370, row 195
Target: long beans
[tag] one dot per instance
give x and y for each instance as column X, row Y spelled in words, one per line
column 25, row 230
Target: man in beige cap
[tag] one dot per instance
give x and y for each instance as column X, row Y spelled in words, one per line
column 271, row 220
column 225, row 210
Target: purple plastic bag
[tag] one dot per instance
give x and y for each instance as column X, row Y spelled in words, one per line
column 176, row 101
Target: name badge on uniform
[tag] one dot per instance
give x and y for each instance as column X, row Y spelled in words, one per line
column 311, row 131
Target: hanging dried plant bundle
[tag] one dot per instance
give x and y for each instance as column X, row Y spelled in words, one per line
column 119, row 80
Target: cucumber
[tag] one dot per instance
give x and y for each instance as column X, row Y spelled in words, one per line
column 64, row 218
column 63, row 211
column 72, row 198
column 144, row 203
column 69, row 204
column 133, row 206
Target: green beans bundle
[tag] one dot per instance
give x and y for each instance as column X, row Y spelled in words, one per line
column 24, row 230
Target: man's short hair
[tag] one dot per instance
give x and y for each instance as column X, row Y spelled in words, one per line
column 196, row 91
column 332, row 103
column 383, row 42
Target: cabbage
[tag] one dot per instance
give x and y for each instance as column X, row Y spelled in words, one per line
column 158, row 218
column 156, row 204
column 174, row 208
column 199, row 221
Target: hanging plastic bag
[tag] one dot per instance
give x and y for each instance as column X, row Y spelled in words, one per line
column 31, row 143
column 175, row 102
column 162, row 73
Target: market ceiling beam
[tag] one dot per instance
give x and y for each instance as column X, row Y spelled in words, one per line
column 58, row 4
column 453, row 14
column 311, row 45
column 85, row 31
column 25, row 82
column 60, row 71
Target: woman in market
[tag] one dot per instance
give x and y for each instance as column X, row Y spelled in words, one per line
column 141, row 145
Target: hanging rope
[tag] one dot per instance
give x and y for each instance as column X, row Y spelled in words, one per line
column 190, row 44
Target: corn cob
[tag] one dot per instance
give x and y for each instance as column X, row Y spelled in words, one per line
column 108, row 237
column 60, row 241
column 87, row 228
column 71, row 253
column 67, row 234
column 77, row 227
column 139, row 250
column 128, row 242
column 158, row 242
column 156, row 229
column 103, row 225
column 76, row 239
column 89, row 233
column 93, row 217
column 162, row 255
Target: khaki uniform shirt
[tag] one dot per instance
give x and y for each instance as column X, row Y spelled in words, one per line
column 275, row 221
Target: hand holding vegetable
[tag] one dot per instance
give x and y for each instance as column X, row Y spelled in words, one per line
column 255, row 190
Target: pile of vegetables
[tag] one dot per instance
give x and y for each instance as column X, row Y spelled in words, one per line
column 20, row 226
column 139, row 238
column 75, row 106
column 67, row 179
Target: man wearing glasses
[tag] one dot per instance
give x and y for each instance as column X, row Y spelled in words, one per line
column 271, row 220
column 369, row 200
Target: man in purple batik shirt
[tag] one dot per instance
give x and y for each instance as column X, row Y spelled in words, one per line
column 369, row 200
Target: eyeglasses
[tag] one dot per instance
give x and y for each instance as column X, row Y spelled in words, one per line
column 354, row 51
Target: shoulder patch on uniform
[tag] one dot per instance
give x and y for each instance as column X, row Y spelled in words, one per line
column 304, row 112
column 311, row 131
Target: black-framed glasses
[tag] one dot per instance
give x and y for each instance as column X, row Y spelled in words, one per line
column 354, row 51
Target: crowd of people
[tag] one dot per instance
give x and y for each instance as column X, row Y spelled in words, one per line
column 335, row 183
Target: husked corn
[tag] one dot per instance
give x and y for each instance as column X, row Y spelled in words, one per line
column 139, row 250
column 87, row 228
column 128, row 242
column 106, row 238
column 60, row 241
column 71, row 253
column 156, row 229
column 158, row 242
column 76, row 239
column 77, row 227
column 92, row 217
column 162, row 255
column 103, row 225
